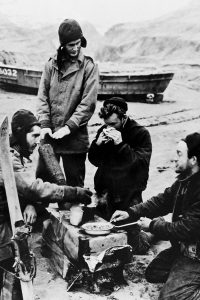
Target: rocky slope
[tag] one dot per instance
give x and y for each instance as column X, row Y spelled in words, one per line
column 171, row 42
column 32, row 47
column 172, row 38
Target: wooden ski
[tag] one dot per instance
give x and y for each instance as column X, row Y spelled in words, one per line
column 24, row 260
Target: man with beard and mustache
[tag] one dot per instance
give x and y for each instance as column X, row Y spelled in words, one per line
column 34, row 194
column 178, row 266
column 66, row 101
column 121, row 151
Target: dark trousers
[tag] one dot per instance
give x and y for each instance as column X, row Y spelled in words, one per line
column 74, row 168
column 73, row 165
column 180, row 274
column 10, row 288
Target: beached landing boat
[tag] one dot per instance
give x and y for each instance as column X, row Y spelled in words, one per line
column 133, row 86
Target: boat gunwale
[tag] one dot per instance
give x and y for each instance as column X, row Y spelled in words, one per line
column 102, row 73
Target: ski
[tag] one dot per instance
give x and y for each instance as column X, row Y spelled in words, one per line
column 24, row 265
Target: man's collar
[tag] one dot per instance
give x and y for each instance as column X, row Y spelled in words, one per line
column 185, row 176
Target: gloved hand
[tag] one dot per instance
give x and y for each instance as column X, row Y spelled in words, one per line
column 84, row 195
column 77, row 195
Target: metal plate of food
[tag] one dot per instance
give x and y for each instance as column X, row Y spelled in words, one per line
column 97, row 228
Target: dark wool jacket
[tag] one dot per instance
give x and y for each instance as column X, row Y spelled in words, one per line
column 122, row 169
column 182, row 199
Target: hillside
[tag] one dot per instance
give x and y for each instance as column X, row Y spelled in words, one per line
column 171, row 42
column 32, row 47
column 172, row 38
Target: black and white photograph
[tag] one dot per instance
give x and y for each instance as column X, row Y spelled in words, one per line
column 99, row 150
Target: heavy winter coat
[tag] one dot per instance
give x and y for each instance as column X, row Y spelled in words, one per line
column 30, row 191
column 123, row 169
column 68, row 98
column 182, row 199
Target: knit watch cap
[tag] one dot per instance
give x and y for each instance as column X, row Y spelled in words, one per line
column 193, row 144
column 23, row 120
column 70, row 30
column 120, row 102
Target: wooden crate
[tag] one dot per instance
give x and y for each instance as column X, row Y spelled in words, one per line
column 68, row 246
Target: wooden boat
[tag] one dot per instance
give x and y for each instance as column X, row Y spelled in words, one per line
column 131, row 85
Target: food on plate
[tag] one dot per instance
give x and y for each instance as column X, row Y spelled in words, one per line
column 97, row 226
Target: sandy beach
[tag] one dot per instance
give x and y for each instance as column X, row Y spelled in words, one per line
column 169, row 121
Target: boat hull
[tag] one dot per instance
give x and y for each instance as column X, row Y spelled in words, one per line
column 27, row 81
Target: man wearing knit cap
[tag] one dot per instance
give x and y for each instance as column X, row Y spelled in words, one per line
column 178, row 266
column 34, row 194
column 66, row 101
column 121, row 151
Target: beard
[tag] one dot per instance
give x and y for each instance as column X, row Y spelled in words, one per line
column 20, row 139
column 25, row 152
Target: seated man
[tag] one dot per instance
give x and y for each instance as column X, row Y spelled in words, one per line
column 121, row 151
column 34, row 194
column 179, row 266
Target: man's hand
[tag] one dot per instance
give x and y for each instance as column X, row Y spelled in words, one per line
column 119, row 215
column 60, row 133
column 144, row 223
column 45, row 131
column 102, row 139
column 30, row 214
column 84, row 195
column 115, row 135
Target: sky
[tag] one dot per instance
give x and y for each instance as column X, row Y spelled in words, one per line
column 101, row 13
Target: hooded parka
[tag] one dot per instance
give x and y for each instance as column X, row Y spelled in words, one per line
column 68, row 98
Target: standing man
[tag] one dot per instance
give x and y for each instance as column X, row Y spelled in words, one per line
column 121, row 152
column 34, row 194
column 178, row 266
column 67, row 98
